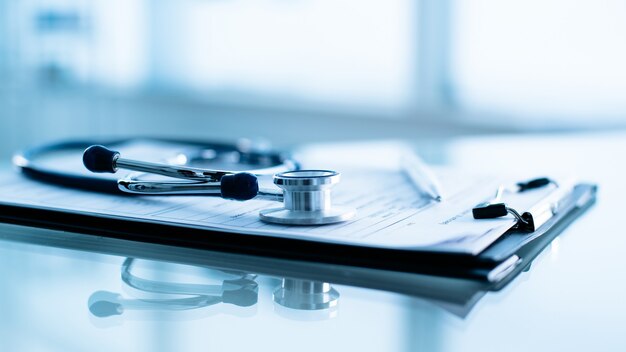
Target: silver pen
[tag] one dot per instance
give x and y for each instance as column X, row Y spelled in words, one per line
column 421, row 176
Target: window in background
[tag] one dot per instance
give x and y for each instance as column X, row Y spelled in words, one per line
column 333, row 54
column 555, row 62
column 337, row 53
column 63, row 42
column 120, row 55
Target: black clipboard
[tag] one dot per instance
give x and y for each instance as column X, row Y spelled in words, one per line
column 495, row 266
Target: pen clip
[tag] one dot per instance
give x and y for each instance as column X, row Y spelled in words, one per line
column 528, row 221
column 497, row 210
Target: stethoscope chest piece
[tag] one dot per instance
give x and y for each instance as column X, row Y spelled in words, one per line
column 307, row 201
column 306, row 295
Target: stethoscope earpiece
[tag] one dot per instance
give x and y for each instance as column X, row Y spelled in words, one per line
column 105, row 304
column 100, row 159
column 239, row 186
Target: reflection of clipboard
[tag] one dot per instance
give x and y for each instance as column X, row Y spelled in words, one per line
column 495, row 265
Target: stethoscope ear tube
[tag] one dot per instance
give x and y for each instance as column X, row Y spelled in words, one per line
column 240, row 186
column 71, row 181
column 26, row 162
column 237, row 186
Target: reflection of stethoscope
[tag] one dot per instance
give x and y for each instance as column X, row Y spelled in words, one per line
column 239, row 289
column 305, row 193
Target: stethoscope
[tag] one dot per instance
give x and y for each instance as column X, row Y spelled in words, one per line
column 305, row 194
column 238, row 288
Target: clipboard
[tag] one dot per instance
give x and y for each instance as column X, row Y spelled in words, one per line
column 495, row 266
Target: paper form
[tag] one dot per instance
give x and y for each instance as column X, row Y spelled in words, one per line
column 390, row 210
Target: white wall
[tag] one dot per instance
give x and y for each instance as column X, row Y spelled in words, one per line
column 33, row 116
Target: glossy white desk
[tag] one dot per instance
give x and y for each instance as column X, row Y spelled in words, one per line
column 573, row 298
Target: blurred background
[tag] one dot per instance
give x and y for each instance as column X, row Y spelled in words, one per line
column 297, row 71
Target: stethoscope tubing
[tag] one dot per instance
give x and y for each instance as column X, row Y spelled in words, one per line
column 25, row 161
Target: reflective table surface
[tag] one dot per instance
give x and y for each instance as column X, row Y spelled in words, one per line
column 76, row 292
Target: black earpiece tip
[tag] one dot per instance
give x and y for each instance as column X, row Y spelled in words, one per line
column 240, row 186
column 98, row 158
column 105, row 304
column 103, row 309
column 244, row 297
column 490, row 211
column 532, row 184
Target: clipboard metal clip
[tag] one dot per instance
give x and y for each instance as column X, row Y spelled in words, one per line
column 526, row 221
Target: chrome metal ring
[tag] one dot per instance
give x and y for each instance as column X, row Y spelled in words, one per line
column 307, row 199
